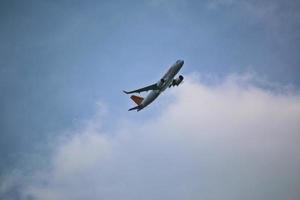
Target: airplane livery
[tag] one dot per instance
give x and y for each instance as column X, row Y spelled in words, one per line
column 156, row 89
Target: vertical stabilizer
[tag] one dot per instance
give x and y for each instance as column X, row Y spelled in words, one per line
column 138, row 100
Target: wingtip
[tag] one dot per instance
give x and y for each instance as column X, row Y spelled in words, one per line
column 125, row 92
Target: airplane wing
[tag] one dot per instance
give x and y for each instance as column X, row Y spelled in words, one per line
column 144, row 89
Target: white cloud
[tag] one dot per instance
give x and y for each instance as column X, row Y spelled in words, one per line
column 228, row 141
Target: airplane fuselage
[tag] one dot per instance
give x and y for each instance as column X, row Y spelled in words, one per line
column 162, row 84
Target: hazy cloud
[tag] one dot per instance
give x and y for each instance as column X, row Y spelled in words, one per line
column 232, row 140
column 279, row 17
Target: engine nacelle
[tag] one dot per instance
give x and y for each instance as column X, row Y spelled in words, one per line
column 177, row 81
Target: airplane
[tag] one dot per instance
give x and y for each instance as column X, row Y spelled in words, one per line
column 165, row 82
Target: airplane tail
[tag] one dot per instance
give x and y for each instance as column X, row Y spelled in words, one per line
column 138, row 100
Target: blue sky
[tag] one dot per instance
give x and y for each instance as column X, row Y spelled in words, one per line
column 59, row 59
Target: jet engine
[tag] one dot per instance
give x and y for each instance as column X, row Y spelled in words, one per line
column 177, row 81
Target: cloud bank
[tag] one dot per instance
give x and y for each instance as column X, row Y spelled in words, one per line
column 232, row 140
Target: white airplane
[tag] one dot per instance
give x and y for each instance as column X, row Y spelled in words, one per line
column 157, row 88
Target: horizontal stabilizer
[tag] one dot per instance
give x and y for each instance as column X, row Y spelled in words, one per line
column 138, row 100
column 134, row 108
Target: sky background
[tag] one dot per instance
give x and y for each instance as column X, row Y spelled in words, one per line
column 63, row 65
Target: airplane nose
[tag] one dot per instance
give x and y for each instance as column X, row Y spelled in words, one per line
column 181, row 62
